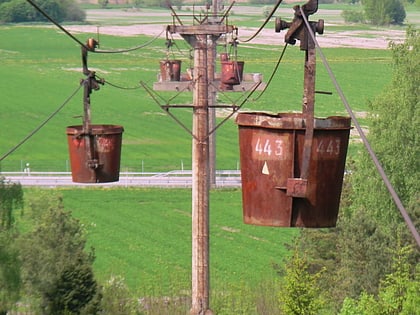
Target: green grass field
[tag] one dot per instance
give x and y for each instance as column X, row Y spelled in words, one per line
column 41, row 68
column 144, row 235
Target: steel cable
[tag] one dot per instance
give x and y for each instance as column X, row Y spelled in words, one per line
column 41, row 125
column 273, row 73
column 264, row 24
column 372, row 154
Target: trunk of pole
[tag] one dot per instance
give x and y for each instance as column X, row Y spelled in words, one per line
column 200, row 185
column 211, row 59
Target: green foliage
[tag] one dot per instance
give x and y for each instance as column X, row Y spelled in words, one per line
column 15, row 11
column 11, row 198
column 300, row 292
column 394, row 132
column 72, row 290
column 357, row 252
column 116, row 298
column 353, row 16
column 10, row 281
column 398, row 293
column 55, row 266
column 383, row 12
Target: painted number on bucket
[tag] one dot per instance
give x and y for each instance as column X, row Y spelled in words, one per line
column 328, row 147
column 105, row 144
column 268, row 147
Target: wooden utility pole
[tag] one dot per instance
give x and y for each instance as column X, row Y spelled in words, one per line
column 203, row 39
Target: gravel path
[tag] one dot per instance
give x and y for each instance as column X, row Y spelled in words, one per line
column 369, row 39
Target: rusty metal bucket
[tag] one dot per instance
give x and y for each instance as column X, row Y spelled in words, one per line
column 170, row 70
column 232, row 73
column 95, row 156
column 271, row 150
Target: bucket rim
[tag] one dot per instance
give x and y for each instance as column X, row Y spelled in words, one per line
column 289, row 120
column 96, row 129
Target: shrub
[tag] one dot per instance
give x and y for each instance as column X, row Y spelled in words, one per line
column 16, row 11
column 352, row 16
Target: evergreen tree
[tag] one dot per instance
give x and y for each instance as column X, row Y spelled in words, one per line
column 56, row 269
column 300, row 292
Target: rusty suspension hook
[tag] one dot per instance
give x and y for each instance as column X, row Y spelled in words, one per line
column 297, row 30
column 90, row 83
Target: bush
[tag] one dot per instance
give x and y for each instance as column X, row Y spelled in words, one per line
column 16, row 11
column 383, row 12
column 352, row 16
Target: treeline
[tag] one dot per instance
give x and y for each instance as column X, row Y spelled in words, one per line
column 16, row 11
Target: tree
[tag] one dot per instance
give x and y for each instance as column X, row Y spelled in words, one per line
column 383, row 12
column 15, row 11
column 11, row 198
column 369, row 222
column 300, row 293
column 56, row 269
column 399, row 292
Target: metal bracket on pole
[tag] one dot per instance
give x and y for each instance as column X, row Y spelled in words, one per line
column 297, row 30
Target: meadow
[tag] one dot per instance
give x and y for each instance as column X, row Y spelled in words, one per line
column 144, row 235
column 41, row 68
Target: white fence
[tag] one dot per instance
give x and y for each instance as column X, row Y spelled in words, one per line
column 224, row 178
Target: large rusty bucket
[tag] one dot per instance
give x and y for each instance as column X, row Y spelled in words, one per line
column 95, row 156
column 232, row 73
column 170, row 70
column 271, row 149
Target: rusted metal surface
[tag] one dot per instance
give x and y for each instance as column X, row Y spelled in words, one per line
column 231, row 74
column 94, row 149
column 271, row 148
column 292, row 165
column 170, row 70
column 95, row 156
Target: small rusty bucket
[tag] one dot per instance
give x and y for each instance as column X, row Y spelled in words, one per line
column 271, row 149
column 232, row 73
column 170, row 70
column 95, row 156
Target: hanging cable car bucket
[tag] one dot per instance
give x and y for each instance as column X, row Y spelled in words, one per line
column 170, row 70
column 232, row 73
column 95, row 155
column 271, row 154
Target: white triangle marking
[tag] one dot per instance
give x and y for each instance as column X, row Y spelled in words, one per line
column 265, row 169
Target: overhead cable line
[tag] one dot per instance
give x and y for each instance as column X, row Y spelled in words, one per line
column 264, row 24
column 372, row 154
column 118, row 51
column 45, row 14
column 42, row 124
column 273, row 73
column 116, row 85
